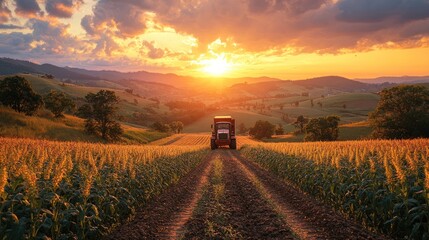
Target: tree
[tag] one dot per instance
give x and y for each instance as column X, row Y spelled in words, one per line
column 176, row 126
column 162, row 127
column 322, row 129
column 58, row 103
column 402, row 112
column 100, row 112
column 300, row 123
column 262, row 129
column 16, row 92
column 280, row 130
column 242, row 129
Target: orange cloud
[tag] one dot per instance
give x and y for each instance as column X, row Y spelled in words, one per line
column 62, row 8
column 28, row 8
column 5, row 13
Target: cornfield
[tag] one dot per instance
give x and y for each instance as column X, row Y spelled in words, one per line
column 198, row 139
column 67, row 190
column 189, row 139
column 384, row 184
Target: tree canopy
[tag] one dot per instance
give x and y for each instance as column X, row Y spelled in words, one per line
column 262, row 129
column 402, row 112
column 322, row 129
column 176, row 126
column 300, row 123
column 16, row 92
column 57, row 102
column 100, row 113
column 280, row 130
column 161, row 127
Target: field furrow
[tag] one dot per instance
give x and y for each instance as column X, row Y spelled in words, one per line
column 164, row 216
column 307, row 217
column 232, row 208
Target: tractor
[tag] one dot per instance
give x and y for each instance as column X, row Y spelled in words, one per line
column 223, row 132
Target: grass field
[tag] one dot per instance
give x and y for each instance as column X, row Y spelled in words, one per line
column 126, row 106
column 358, row 105
column 353, row 131
column 242, row 116
column 70, row 128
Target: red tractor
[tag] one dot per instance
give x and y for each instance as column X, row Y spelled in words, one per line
column 223, row 132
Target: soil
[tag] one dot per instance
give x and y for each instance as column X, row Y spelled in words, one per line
column 254, row 205
column 245, row 212
column 164, row 215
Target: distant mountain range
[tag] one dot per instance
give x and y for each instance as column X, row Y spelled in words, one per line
column 247, row 86
column 397, row 80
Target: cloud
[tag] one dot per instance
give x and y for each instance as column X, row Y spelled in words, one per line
column 62, row 8
column 27, row 7
column 5, row 13
column 10, row 26
column 15, row 43
column 368, row 11
column 54, row 39
column 105, row 46
column 321, row 26
column 87, row 24
column 124, row 17
column 222, row 26
column 306, row 25
column 152, row 51
column 296, row 7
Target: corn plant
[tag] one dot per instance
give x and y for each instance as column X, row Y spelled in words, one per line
column 67, row 190
column 382, row 183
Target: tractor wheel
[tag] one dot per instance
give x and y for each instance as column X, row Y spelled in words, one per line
column 233, row 144
column 213, row 144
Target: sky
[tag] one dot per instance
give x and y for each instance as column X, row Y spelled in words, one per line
column 287, row 39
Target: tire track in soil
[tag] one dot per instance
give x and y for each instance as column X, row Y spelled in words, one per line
column 166, row 214
column 307, row 217
column 245, row 210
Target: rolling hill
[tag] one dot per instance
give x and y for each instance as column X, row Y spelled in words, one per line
column 129, row 104
column 145, row 81
column 70, row 128
column 240, row 97
column 396, row 80
column 335, row 83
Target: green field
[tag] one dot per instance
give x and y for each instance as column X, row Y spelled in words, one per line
column 358, row 131
column 126, row 106
column 44, row 126
column 358, row 106
column 242, row 116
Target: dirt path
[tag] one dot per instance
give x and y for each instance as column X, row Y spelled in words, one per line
column 229, row 197
column 241, row 211
column 165, row 215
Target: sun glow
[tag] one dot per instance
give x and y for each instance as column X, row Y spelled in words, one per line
column 217, row 66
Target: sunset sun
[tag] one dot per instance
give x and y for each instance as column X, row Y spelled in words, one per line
column 217, row 66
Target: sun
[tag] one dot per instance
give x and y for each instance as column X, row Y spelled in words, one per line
column 217, row 66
